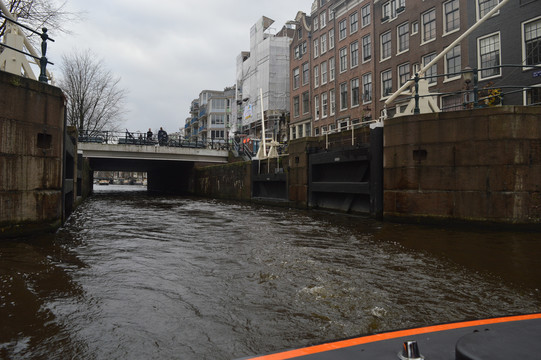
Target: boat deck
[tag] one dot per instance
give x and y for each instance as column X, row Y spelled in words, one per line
column 514, row 337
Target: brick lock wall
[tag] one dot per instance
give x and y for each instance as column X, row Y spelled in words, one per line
column 482, row 165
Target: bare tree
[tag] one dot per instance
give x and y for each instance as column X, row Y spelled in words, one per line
column 95, row 98
column 39, row 13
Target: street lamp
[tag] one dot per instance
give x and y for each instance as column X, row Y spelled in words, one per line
column 467, row 75
column 470, row 75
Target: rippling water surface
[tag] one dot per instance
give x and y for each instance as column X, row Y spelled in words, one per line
column 148, row 277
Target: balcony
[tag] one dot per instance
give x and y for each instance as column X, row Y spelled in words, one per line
column 194, row 120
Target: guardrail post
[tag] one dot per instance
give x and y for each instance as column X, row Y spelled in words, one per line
column 475, row 87
column 43, row 59
column 376, row 171
column 416, row 109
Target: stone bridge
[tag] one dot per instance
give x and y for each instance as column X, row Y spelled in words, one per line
column 168, row 168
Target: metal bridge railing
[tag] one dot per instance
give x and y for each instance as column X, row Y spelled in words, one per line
column 43, row 59
column 140, row 138
column 471, row 76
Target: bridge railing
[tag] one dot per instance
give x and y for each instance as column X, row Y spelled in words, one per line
column 140, row 138
column 491, row 94
column 39, row 60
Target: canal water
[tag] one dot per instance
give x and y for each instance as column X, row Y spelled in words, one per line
column 136, row 276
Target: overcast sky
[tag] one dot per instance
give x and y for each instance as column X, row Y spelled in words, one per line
column 167, row 53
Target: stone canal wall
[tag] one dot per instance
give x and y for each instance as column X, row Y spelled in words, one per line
column 466, row 166
column 231, row 181
column 31, row 153
column 482, row 165
column 286, row 180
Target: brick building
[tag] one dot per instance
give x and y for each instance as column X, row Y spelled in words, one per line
column 332, row 81
column 300, row 117
column 511, row 36
column 349, row 56
column 409, row 36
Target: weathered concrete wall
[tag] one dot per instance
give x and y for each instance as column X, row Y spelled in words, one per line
column 231, row 181
column 298, row 168
column 85, row 181
column 31, row 145
column 234, row 181
column 482, row 165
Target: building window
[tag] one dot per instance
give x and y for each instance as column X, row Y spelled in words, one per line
column 315, row 23
column 429, row 25
column 323, row 19
column 386, row 83
column 452, row 16
column 354, row 49
column 299, row 33
column 403, row 74
column 217, row 134
column 403, row 37
column 532, row 42
column 365, row 15
column 296, row 106
column 324, row 44
column 297, row 52
column 367, row 88
column 453, row 63
column 331, row 39
column 316, row 48
column 484, row 6
column 343, row 96
column 316, row 107
column 331, row 14
column 392, row 8
column 452, row 103
column 367, row 48
column 489, row 55
column 355, row 95
column 414, row 28
column 343, row 59
column 386, row 11
column 386, row 45
column 342, row 30
column 324, row 73
column 305, row 73
column 353, row 22
column 432, row 71
column 305, row 102
column 217, row 119
column 332, row 67
column 296, row 78
column 316, row 76
column 532, row 96
column 332, row 101
column 324, row 105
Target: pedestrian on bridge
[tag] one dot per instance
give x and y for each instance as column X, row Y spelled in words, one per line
column 149, row 134
column 162, row 137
